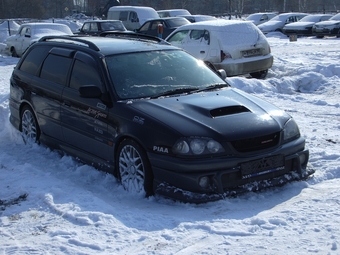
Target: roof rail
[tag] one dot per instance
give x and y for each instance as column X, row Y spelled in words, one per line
column 132, row 35
column 91, row 45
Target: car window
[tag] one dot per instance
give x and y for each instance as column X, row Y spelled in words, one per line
column 33, row 59
column 84, row 74
column 178, row 37
column 154, row 25
column 86, row 27
column 200, row 36
column 145, row 27
column 55, row 68
column 123, row 15
column 146, row 74
column 178, row 22
column 133, row 17
column 94, row 27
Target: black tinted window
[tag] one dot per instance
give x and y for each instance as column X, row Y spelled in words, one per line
column 33, row 60
column 83, row 74
column 55, row 69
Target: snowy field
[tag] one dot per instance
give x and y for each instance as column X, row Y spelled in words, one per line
column 74, row 209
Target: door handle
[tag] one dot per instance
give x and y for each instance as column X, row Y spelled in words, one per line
column 202, row 51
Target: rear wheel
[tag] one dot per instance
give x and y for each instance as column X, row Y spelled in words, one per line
column 29, row 126
column 14, row 53
column 259, row 75
column 134, row 169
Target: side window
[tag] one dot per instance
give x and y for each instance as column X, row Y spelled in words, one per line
column 133, row 17
column 86, row 27
column 55, row 69
column 200, row 36
column 145, row 27
column 84, row 73
column 94, row 27
column 123, row 15
column 178, row 37
column 33, row 60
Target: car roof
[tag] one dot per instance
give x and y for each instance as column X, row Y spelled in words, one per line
column 216, row 24
column 102, row 21
column 112, row 45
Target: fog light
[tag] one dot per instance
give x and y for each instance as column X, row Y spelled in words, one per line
column 204, row 182
column 302, row 158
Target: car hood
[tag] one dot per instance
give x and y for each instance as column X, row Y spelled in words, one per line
column 327, row 23
column 271, row 25
column 296, row 25
column 224, row 114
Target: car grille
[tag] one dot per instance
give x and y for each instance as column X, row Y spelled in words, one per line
column 256, row 143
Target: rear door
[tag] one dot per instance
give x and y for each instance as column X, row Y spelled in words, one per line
column 85, row 120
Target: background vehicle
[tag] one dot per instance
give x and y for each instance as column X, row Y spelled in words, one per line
column 169, row 24
column 261, row 17
column 29, row 33
column 95, row 27
column 238, row 47
column 132, row 16
column 329, row 27
column 134, row 107
column 304, row 26
column 172, row 13
column 277, row 23
column 197, row 17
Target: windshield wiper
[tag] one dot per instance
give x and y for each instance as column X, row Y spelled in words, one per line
column 174, row 92
column 213, row 87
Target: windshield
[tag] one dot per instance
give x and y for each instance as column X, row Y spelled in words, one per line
column 152, row 73
column 310, row 18
column 336, row 17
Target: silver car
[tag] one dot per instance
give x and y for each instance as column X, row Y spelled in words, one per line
column 238, row 47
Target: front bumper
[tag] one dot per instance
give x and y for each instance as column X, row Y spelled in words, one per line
column 180, row 179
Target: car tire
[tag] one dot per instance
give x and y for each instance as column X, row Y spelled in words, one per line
column 14, row 53
column 133, row 168
column 260, row 74
column 29, row 126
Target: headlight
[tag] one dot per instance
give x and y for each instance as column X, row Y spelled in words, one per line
column 197, row 146
column 290, row 131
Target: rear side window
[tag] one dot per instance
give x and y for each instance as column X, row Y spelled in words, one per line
column 33, row 60
column 55, row 69
column 178, row 37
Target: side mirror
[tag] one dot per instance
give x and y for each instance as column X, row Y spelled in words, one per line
column 90, row 91
column 222, row 73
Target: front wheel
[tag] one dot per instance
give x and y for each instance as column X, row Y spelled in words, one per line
column 259, row 75
column 134, row 169
column 29, row 126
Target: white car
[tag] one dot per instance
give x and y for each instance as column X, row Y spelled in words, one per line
column 261, row 17
column 29, row 33
column 277, row 23
column 238, row 47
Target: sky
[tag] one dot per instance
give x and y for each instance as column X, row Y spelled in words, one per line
column 52, row 204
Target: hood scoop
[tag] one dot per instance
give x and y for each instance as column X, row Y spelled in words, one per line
column 229, row 110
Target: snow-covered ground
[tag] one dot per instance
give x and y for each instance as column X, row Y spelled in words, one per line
column 74, row 209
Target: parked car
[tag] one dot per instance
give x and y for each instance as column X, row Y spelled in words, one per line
column 261, row 17
column 304, row 26
column 169, row 24
column 238, row 47
column 153, row 115
column 329, row 27
column 29, row 33
column 95, row 27
column 197, row 17
column 172, row 13
column 132, row 16
column 277, row 23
